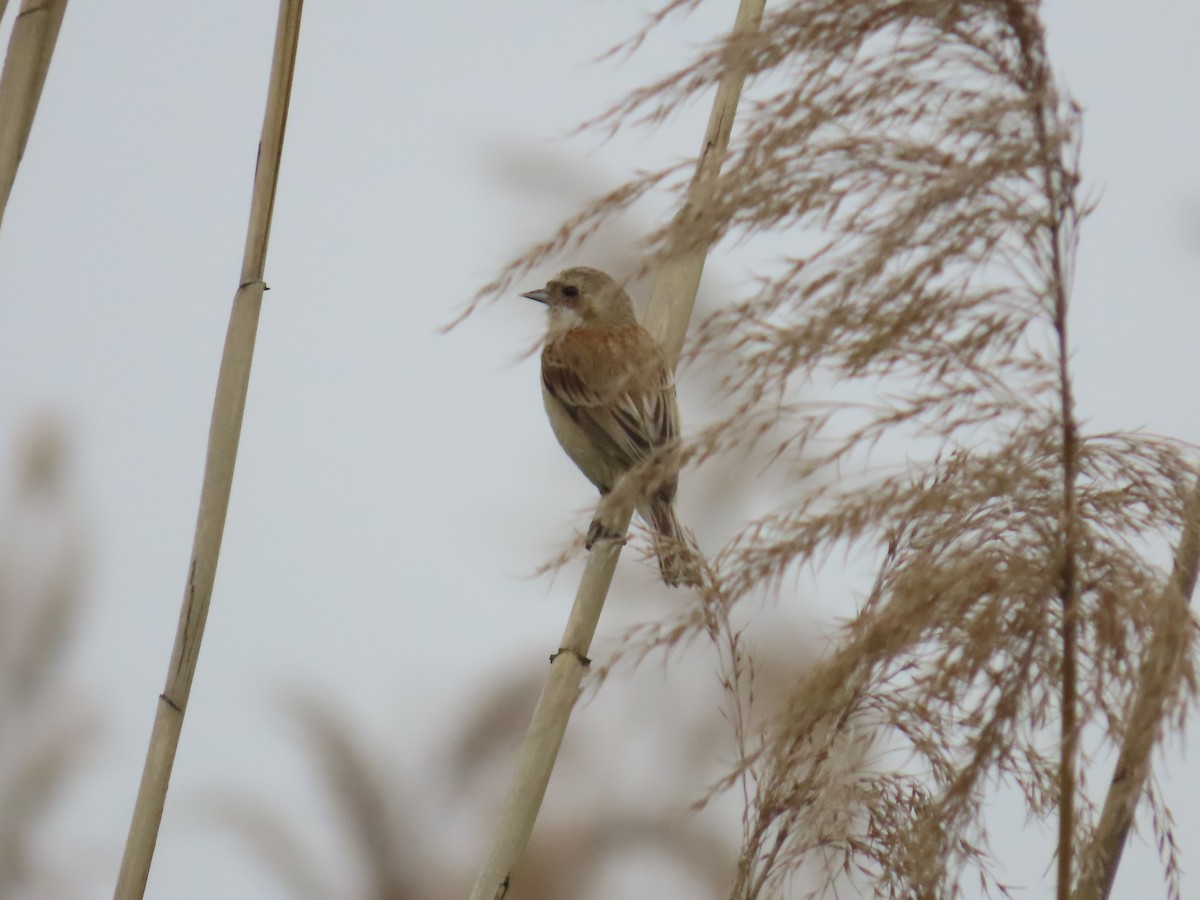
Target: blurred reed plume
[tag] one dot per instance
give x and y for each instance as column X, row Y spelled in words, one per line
column 399, row 834
column 918, row 165
column 44, row 730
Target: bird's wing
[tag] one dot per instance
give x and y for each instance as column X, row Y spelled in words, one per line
column 628, row 413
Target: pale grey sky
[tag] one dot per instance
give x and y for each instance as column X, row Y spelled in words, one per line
column 395, row 485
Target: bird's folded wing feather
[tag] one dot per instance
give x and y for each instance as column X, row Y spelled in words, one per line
column 629, row 413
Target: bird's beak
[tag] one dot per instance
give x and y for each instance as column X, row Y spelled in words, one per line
column 540, row 295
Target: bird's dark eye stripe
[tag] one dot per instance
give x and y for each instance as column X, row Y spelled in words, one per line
column 570, row 291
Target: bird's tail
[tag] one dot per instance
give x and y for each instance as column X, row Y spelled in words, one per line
column 678, row 556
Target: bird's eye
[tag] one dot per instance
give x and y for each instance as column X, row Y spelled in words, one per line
column 570, row 291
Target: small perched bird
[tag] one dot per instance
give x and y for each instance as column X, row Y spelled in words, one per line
column 610, row 396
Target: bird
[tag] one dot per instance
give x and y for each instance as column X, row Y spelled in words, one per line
column 610, row 396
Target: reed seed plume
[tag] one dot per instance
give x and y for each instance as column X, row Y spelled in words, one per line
column 922, row 165
column 46, row 732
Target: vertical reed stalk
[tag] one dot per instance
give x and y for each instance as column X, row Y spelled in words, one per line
column 1157, row 678
column 1042, row 97
column 30, row 47
column 671, row 300
column 228, row 408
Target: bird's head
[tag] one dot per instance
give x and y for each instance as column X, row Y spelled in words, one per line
column 584, row 296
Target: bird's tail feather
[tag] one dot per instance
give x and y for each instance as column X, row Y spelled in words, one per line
column 678, row 556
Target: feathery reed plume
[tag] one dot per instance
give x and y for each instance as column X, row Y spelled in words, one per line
column 924, row 165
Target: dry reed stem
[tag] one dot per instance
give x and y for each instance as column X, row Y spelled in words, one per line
column 539, row 748
column 671, row 300
column 1157, row 681
column 30, row 48
column 224, row 432
column 1039, row 87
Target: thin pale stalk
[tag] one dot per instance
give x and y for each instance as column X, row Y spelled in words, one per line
column 1068, row 577
column 1157, row 677
column 539, row 749
column 224, row 432
column 677, row 279
column 671, row 300
column 30, row 48
column 1038, row 86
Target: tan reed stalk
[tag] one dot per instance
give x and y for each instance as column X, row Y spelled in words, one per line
column 1156, row 681
column 224, row 431
column 1036, row 76
column 30, row 47
column 671, row 300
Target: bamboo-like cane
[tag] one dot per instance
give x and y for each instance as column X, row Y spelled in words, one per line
column 1156, row 680
column 30, row 47
column 671, row 300
column 224, row 431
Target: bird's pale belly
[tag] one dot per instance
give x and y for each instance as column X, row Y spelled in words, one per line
column 575, row 441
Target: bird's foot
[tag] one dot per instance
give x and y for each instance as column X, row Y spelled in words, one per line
column 600, row 531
